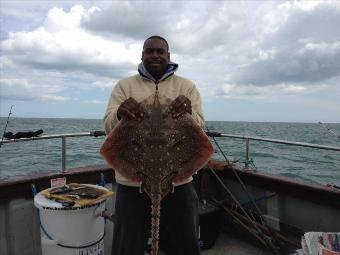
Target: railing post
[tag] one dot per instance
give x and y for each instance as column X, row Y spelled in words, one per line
column 247, row 153
column 63, row 154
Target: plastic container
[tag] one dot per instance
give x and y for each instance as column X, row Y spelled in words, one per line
column 77, row 230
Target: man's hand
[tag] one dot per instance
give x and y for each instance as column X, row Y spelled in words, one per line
column 180, row 106
column 130, row 109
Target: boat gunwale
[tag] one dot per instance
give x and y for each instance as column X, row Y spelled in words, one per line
column 317, row 193
column 18, row 187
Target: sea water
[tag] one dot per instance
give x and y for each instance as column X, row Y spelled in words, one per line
column 312, row 165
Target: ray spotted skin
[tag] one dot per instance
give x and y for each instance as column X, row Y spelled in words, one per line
column 157, row 151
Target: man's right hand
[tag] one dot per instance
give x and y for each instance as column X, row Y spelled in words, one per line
column 130, row 109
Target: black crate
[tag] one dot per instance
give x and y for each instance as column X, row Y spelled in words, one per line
column 209, row 226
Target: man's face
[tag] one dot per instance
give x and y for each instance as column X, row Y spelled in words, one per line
column 155, row 57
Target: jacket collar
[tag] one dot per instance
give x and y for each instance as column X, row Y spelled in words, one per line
column 172, row 68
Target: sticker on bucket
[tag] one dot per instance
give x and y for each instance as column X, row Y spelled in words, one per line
column 96, row 249
column 58, row 182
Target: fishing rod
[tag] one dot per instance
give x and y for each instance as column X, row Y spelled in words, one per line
column 3, row 135
column 329, row 130
column 272, row 242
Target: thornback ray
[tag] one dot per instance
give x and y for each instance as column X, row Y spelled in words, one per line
column 157, row 152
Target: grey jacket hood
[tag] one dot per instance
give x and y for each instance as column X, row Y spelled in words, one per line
column 172, row 68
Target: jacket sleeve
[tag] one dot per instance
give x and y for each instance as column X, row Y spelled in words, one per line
column 117, row 97
column 196, row 105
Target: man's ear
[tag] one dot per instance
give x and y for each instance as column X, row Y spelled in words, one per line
column 142, row 55
column 168, row 56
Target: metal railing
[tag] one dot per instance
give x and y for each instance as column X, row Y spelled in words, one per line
column 262, row 139
column 211, row 134
column 63, row 141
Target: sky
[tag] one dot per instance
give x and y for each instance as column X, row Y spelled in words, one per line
column 267, row 61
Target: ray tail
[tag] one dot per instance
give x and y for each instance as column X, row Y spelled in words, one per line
column 155, row 217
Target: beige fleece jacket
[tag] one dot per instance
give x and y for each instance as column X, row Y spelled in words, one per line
column 140, row 88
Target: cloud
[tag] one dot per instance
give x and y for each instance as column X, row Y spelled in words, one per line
column 261, row 50
column 95, row 101
column 260, row 44
column 103, row 84
column 26, row 90
column 131, row 19
column 61, row 44
column 54, row 98
column 191, row 27
column 277, row 92
column 304, row 47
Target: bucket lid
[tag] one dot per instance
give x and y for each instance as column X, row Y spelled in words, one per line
column 43, row 200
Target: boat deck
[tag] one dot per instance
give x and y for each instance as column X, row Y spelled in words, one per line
column 318, row 209
column 226, row 244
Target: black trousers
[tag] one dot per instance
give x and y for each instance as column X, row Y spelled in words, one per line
column 178, row 223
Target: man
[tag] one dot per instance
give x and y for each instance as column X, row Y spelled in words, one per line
column 179, row 210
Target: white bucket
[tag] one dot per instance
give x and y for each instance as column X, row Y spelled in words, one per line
column 70, row 230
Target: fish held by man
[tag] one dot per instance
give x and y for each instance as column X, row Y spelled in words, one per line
column 157, row 151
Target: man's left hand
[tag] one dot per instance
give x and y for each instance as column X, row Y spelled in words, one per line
column 180, row 106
